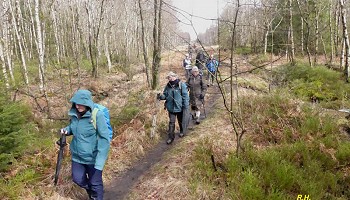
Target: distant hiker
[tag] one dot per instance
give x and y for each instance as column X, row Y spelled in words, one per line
column 90, row 146
column 187, row 65
column 177, row 103
column 197, row 89
column 190, row 50
column 212, row 66
column 200, row 61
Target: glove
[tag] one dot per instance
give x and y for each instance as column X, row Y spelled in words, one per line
column 158, row 96
column 201, row 96
column 64, row 131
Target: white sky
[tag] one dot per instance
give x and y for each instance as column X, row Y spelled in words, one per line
column 201, row 8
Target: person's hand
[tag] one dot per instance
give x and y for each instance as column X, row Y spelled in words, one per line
column 158, row 96
column 64, row 131
column 201, row 96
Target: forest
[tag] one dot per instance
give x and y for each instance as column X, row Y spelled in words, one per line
column 276, row 120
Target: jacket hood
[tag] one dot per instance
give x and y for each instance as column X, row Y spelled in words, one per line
column 83, row 97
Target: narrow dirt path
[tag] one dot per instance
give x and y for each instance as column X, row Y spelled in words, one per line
column 121, row 186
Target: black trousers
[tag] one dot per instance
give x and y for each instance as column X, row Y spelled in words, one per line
column 172, row 119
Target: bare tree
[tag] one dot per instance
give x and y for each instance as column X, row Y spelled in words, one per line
column 157, row 35
column 144, row 48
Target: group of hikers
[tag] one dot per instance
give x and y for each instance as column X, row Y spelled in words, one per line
column 92, row 133
column 180, row 96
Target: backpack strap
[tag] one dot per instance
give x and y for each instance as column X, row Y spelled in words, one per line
column 94, row 114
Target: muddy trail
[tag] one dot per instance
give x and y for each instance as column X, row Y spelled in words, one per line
column 123, row 184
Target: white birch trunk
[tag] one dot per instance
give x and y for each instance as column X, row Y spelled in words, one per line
column 265, row 40
column 302, row 36
column 20, row 45
column 331, row 32
column 107, row 54
column 291, row 30
column 346, row 38
column 39, row 45
column 55, row 29
column 32, row 30
column 4, row 71
column 6, row 42
column 342, row 55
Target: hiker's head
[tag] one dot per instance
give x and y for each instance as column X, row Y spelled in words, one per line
column 211, row 56
column 195, row 71
column 82, row 97
column 187, row 55
column 171, row 76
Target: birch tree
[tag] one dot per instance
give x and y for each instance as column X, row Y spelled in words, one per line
column 4, row 71
column 20, row 44
column 345, row 39
column 40, row 46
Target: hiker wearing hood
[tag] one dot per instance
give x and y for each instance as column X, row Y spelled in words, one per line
column 177, row 103
column 89, row 146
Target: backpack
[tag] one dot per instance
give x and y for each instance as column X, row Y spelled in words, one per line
column 105, row 111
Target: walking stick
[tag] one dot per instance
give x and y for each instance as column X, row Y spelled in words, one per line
column 62, row 143
column 205, row 114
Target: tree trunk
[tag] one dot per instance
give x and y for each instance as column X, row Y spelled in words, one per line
column 302, row 36
column 39, row 46
column 291, row 31
column 346, row 39
column 20, row 45
column 331, row 32
column 157, row 33
column 317, row 34
column 265, row 39
column 55, row 31
column 107, row 54
column 145, row 53
column 4, row 71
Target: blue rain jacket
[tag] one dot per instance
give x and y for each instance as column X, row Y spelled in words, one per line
column 89, row 145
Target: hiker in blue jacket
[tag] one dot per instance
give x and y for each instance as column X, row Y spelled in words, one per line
column 177, row 103
column 212, row 66
column 89, row 146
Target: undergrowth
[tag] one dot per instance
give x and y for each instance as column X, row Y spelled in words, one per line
column 290, row 150
column 318, row 84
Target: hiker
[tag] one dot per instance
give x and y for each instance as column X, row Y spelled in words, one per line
column 190, row 51
column 89, row 146
column 197, row 89
column 187, row 65
column 200, row 61
column 212, row 66
column 177, row 103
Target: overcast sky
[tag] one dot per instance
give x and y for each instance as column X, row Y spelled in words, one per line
column 201, row 8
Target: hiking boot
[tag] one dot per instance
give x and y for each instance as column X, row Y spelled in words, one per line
column 194, row 117
column 169, row 141
column 181, row 135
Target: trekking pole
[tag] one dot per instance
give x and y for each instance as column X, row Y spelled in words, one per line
column 205, row 114
column 62, row 143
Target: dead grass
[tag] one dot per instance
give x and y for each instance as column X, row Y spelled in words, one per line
column 171, row 178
